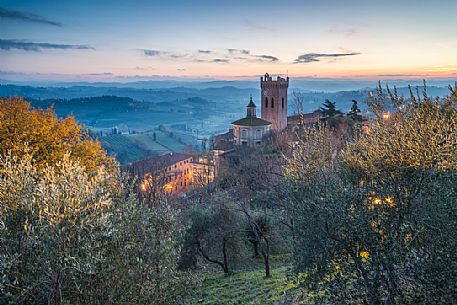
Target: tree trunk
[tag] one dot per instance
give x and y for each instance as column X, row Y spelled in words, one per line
column 223, row 264
column 266, row 258
column 224, row 252
column 255, row 245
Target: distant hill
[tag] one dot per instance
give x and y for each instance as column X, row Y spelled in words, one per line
column 302, row 83
column 203, row 111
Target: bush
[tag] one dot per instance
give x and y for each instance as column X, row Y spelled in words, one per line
column 68, row 237
column 374, row 221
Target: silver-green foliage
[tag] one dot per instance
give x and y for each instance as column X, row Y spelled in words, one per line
column 70, row 238
column 374, row 219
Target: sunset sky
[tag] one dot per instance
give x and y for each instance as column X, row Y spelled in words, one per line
column 127, row 40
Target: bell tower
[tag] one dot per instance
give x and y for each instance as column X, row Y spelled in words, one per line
column 274, row 101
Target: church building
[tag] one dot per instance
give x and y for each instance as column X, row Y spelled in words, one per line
column 250, row 130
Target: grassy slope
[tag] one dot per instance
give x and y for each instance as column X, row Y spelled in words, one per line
column 251, row 287
column 133, row 147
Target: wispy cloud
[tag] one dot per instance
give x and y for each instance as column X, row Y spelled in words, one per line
column 211, row 56
column 156, row 53
column 27, row 17
column 220, row 60
column 239, row 51
column 151, row 52
column 9, row 44
column 267, row 57
column 314, row 57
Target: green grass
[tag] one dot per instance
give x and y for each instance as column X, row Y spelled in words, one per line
column 132, row 147
column 249, row 287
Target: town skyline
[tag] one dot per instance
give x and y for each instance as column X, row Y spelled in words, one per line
column 115, row 41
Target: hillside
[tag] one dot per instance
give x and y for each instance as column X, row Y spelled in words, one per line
column 130, row 147
column 250, row 286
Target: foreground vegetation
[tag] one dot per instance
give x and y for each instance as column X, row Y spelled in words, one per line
column 342, row 217
column 75, row 234
column 244, row 287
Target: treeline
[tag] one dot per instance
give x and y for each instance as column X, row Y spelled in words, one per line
column 111, row 103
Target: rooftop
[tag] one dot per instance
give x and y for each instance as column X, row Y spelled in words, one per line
column 155, row 163
column 251, row 121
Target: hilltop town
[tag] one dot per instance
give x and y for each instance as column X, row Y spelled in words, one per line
column 178, row 173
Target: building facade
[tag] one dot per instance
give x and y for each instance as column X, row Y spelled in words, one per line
column 172, row 173
column 251, row 130
column 274, row 101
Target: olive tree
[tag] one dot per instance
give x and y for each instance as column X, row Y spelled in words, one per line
column 69, row 237
column 373, row 217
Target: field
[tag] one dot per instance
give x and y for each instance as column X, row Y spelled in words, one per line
column 252, row 287
column 131, row 147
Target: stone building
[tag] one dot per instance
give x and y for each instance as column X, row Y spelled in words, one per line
column 308, row 120
column 274, row 101
column 172, row 173
column 251, row 130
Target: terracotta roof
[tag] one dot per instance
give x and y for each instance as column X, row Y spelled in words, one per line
column 155, row 163
column 312, row 116
column 251, row 121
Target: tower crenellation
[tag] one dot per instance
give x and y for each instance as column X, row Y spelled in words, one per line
column 274, row 100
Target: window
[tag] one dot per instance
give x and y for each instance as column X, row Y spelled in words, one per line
column 244, row 134
column 258, row 134
column 282, row 103
column 272, row 103
column 266, row 102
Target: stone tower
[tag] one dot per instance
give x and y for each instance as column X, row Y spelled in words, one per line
column 274, row 101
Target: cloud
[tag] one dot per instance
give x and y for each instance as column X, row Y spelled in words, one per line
column 211, row 56
column 314, row 57
column 9, row 44
column 174, row 55
column 267, row 57
column 181, row 69
column 220, row 60
column 27, row 17
column 151, row 52
column 239, row 51
column 156, row 53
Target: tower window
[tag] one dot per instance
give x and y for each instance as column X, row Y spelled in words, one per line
column 266, row 102
column 272, row 103
column 282, row 103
